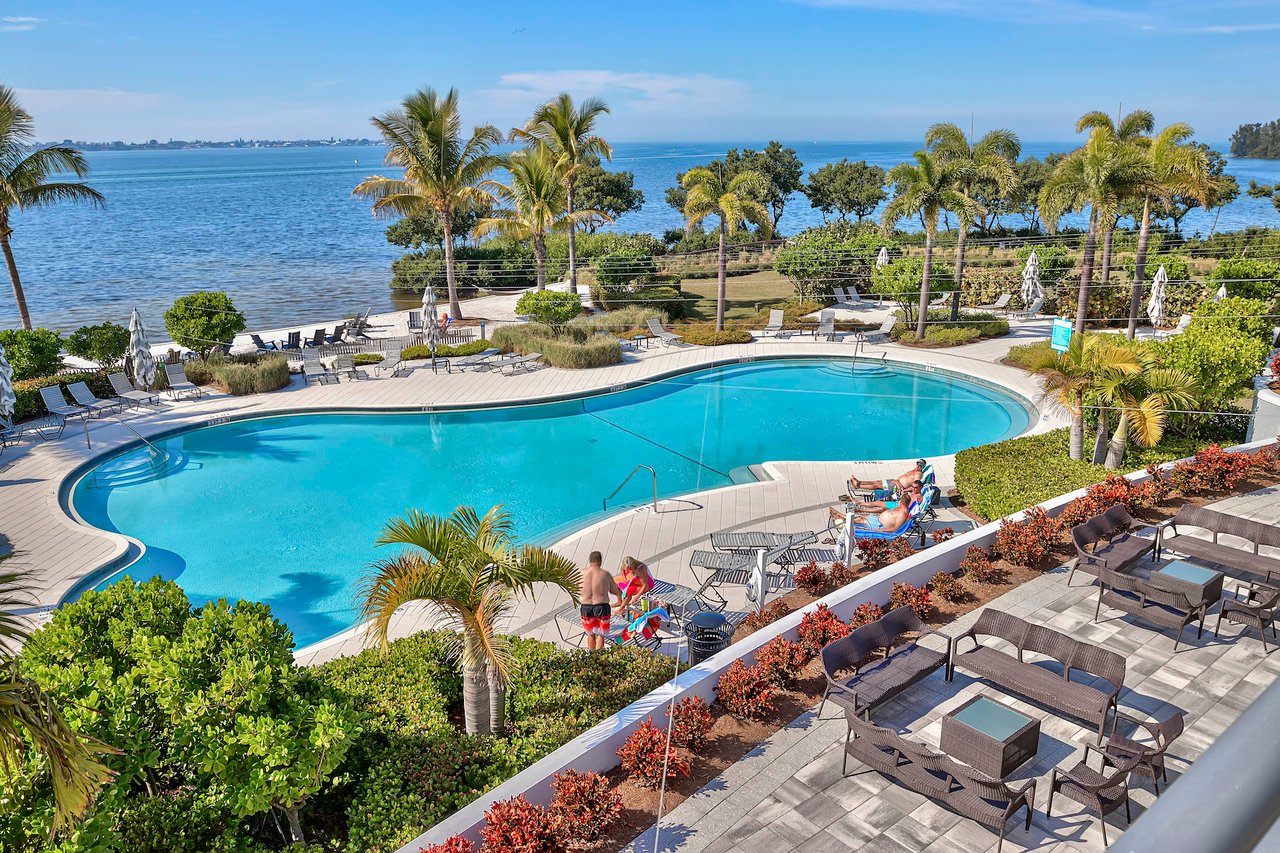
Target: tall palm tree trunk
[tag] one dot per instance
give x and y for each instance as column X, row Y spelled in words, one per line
column 1119, row 441
column 497, row 706
column 1086, row 273
column 475, row 700
column 1075, row 448
column 723, row 270
column 19, row 296
column 1104, row 271
column 1100, row 438
column 1139, row 269
column 955, row 297
column 924, row 283
column 540, row 260
column 573, row 241
column 455, row 308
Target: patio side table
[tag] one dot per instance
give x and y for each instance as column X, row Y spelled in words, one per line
column 990, row 737
column 1199, row 584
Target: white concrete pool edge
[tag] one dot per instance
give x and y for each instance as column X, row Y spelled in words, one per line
column 596, row 749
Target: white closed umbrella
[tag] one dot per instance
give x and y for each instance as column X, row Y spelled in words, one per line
column 882, row 259
column 1221, row 294
column 7, row 398
column 430, row 324
column 143, row 362
column 1031, row 289
column 1155, row 305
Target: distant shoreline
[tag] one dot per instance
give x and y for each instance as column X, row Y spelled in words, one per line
column 199, row 144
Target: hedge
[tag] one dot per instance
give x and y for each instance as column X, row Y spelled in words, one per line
column 240, row 375
column 707, row 336
column 29, row 405
column 424, row 351
column 668, row 300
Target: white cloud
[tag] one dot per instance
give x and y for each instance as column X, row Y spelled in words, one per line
column 1232, row 29
column 638, row 90
column 18, row 23
column 1023, row 12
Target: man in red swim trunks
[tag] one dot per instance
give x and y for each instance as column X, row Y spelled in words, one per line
column 597, row 584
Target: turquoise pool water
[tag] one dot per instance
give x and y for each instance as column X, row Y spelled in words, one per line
column 285, row 509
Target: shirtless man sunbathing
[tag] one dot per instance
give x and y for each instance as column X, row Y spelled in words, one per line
column 890, row 519
column 907, row 496
column 903, row 481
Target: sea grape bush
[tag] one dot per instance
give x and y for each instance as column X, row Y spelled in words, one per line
column 915, row 597
column 584, row 805
column 819, row 627
column 781, row 660
column 865, row 613
column 644, row 753
column 518, row 826
column 744, row 691
column 692, row 722
column 811, row 577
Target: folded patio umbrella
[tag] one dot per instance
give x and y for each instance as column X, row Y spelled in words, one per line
column 1221, row 294
column 1155, row 305
column 144, row 364
column 1031, row 289
column 7, row 398
column 882, row 259
column 430, row 323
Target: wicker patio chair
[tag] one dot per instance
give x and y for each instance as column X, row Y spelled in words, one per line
column 1150, row 755
column 1096, row 790
column 1256, row 607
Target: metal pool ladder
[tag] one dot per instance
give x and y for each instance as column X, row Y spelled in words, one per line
column 604, row 504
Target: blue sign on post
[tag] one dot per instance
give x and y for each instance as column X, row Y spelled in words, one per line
column 1061, row 339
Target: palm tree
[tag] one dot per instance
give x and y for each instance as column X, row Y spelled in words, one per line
column 734, row 201
column 1144, row 398
column 1068, row 376
column 536, row 195
column 470, row 571
column 567, row 129
column 1098, row 176
column 442, row 172
column 926, row 189
column 24, row 180
column 29, row 717
column 1130, row 130
column 1175, row 168
column 990, row 160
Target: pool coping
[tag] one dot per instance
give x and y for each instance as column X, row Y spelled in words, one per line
column 124, row 557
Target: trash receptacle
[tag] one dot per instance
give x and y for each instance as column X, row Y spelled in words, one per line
column 708, row 633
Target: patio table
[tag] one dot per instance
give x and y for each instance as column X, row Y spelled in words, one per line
column 1199, row 584
column 990, row 737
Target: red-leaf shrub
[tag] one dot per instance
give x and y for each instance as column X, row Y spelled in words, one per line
column 643, row 753
column 452, row 844
column 781, row 660
column 584, row 806
column 842, row 575
column 1211, row 470
column 976, row 565
column 819, row 627
column 1100, row 497
column 812, row 578
column 692, row 723
column 1024, row 543
column 769, row 613
column 518, row 826
column 745, row 692
column 942, row 534
column 915, row 597
column 875, row 553
column 948, row 587
column 865, row 613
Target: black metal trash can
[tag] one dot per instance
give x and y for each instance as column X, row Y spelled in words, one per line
column 708, row 633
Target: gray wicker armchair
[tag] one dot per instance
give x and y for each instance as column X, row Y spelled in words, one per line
column 1255, row 607
column 1098, row 791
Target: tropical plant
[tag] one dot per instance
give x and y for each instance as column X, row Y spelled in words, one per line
column 32, row 353
column 1068, row 376
column 470, row 570
column 568, row 130
column 536, row 195
column 1099, row 176
column 203, row 320
column 734, row 200
column 1143, row 399
column 925, row 189
column 25, row 173
column 442, row 172
column 30, row 719
column 989, row 161
column 845, row 188
column 1129, row 131
column 105, row 343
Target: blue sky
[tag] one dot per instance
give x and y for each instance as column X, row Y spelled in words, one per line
column 753, row 69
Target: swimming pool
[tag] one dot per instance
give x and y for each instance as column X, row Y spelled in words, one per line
column 285, row 509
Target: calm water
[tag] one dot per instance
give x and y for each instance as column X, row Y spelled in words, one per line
column 279, row 230
column 331, row 481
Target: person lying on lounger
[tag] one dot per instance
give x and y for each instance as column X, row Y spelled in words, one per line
column 889, row 519
column 909, row 496
column 902, row 482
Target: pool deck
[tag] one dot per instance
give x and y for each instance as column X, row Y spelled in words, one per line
column 57, row 552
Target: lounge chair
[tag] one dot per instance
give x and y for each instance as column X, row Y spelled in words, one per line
column 81, row 394
column 392, row 361
column 753, row 540
column 343, row 365
column 263, row 346
column 839, row 297
column 479, row 361
column 339, row 332
column 941, row 301
column 1183, row 322
column 827, row 327
column 415, row 322
column 294, row 341
column 315, row 370
column 882, row 333
column 856, row 299
column 846, row 545
column 317, row 339
column 777, row 317
column 734, row 568
column 59, row 411
column 667, row 338
column 519, row 362
column 9, row 432
column 178, row 382
column 1033, row 311
column 125, row 391
column 1000, row 304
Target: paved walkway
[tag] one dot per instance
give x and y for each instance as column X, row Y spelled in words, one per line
column 790, row 794
column 58, row 551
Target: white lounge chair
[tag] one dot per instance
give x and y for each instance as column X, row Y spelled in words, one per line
column 59, row 411
column 1033, row 311
column 827, row 327
column 392, row 361
column 478, row 361
column 125, row 391
column 178, row 382
column 667, row 338
column 317, row 371
column 81, row 394
column 999, row 305
column 343, row 365
column 882, row 333
column 777, row 317
column 941, row 301
column 518, row 362
column 1183, row 322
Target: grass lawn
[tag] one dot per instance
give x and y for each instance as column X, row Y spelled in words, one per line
column 746, row 295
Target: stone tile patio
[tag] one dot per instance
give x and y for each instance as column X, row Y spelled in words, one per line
column 789, row 793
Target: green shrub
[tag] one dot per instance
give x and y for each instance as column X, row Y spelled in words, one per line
column 901, row 280
column 105, row 344
column 28, row 404
column 668, row 300
column 270, row 374
column 444, row 351
column 364, row 358
column 32, row 352
column 1252, row 278
column 1217, row 356
column 558, row 350
column 250, row 373
column 550, row 306
column 1025, row 355
column 950, row 337
column 707, row 336
column 1246, row 316
column 200, row 321
column 617, row 269
column 1009, row 476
